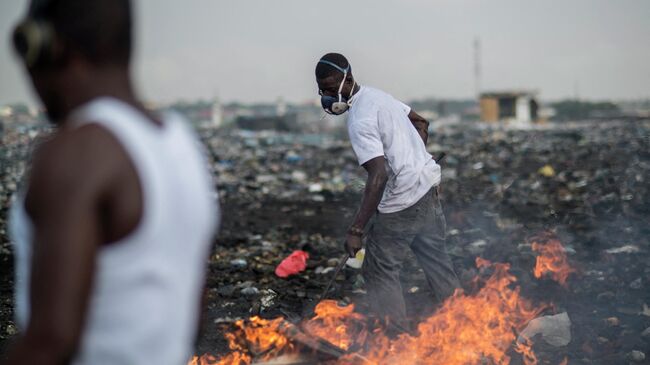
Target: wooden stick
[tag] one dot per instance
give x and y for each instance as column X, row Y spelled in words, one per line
column 316, row 344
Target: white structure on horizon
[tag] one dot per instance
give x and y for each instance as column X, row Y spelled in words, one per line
column 523, row 113
column 281, row 107
column 217, row 113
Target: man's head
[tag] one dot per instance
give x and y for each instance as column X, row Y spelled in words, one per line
column 61, row 41
column 334, row 79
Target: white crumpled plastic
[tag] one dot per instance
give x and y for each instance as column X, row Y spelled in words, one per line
column 555, row 330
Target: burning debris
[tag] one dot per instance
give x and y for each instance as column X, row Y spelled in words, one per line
column 552, row 261
column 469, row 328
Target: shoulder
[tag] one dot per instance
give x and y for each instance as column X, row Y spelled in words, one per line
column 364, row 107
column 74, row 162
column 377, row 95
column 71, row 148
column 373, row 100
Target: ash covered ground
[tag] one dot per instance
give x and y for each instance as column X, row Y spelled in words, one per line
column 588, row 184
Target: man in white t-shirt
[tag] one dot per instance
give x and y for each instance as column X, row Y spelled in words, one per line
column 389, row 140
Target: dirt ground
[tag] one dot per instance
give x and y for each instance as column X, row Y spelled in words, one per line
column 495, row 198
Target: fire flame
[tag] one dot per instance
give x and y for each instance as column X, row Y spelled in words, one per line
column 336, row 324
column 474, row 328
column 255, row 337
column 552, row 261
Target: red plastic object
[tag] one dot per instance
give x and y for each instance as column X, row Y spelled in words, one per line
column 293, row 264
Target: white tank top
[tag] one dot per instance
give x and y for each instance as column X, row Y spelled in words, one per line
column 144, row 306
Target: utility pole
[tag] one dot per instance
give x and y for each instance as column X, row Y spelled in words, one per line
column 477, row 67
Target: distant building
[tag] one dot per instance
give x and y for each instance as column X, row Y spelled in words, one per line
column 286, row 123
column 509, row 107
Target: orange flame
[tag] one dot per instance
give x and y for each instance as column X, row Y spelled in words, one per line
column 552, row 261
column 335, row 324
column 473, row 328
column 257, row 337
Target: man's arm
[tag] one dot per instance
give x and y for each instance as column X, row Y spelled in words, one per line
column 374, row 190
column 421, row 125
column 62, row 202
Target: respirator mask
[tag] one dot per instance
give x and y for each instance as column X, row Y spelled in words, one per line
column 336, row 105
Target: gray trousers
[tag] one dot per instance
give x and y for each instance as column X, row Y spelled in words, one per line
column 421, row 228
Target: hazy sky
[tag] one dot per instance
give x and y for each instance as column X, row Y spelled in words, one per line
column 261, row 50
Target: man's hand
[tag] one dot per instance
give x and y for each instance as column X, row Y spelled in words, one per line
column 352, row 244
column 372, row 194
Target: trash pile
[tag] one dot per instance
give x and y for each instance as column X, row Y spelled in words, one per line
column 586, row 185
column 15, row 148
column 255, row 165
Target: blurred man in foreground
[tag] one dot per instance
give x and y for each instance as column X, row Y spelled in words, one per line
column 401, row 190
column 113, row 230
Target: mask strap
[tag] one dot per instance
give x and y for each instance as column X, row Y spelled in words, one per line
column 345, row 74
column 343, row 70
column 354, row 83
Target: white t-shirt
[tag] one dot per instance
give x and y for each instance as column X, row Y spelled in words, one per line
column 378, row 125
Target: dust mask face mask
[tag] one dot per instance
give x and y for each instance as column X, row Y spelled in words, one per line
column 340, row 104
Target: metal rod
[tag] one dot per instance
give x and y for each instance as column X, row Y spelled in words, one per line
column 336, row 273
